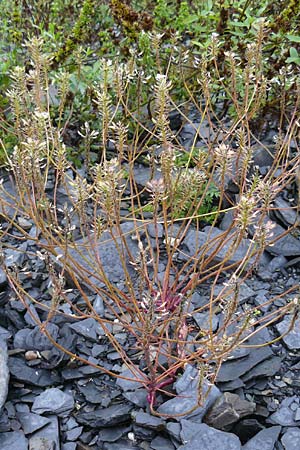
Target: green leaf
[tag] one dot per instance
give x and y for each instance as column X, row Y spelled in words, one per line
column 293, row 38
column 293, row 52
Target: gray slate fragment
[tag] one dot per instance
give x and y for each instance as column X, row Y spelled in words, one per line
column 88, row 328
column 31, row 375
column 108, row 254
column 287, row 245
column 264, row 440
column 292, row 339
column 35, row 340
column 231, row 370
column 266, row 368
column 112, row 434
column 291, row 439
column 161, row 443
column 285, row 415
column 31, row 422
column 227, row 410
column 14, row 440
column 196, row 242
column 41, row 443
column 187, row 399
column 53, row 400
column 207, row 438
column 148, row 421
column 123, row 444
column 4, row 372
column 285, row 212
column 49, row 434
column 132, row 373
column 105, row 417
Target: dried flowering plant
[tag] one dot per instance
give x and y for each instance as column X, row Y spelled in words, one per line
column 138, row 244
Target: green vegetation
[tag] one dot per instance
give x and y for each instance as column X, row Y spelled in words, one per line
column 87, row 94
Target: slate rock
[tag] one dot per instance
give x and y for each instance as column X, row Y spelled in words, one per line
column 264, row 440
column 112, row 434
column 122, row 444
column 106, row 249
column 292, row 339
column 137, row 397
column 148, row 421
column 291, row 439
column 4, row 372
column 53, row 400
column 231, row 370
column 287, row 245
column 15, row 256
column 285, row 212
column 3, row 279
column 244, row 291
column 208, row 438
column 187, row 399
column 105, row 417
column 211, row 241
column 227, row 410
column 31, row 375
column 49, row 434
column 35, row 340
column 285, row 415
column 14, row 440
column 161, row 443
column 40, row 443
column 31, row 422
column 73, row 434
column 88, row 328
column 69, row 446
column 266, row 368
column 134, row 374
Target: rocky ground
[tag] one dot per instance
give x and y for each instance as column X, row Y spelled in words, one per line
column 50, row 403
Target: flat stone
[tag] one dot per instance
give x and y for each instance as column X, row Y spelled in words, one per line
column 35, row 340
column 266, row 368
column 148, row 421
column 244, row 291
column 122, row 444
column 188, row 400
column 112, row 434
column 88, row 328
column 74, row 434
column 227, row 410
column 203, row 321
column 230, row 370
column 161, row 443
column 284, row 211
column 132, row 373
column 31, row 422
column 4, row 372
column 292, row 339
column 48, row 435
column 105, row 417
column 40, row 443
column 14, row 440
column 197, row 242
column 285, row 415
column 287, row 245
column 137, row 397
column 291, row 439
column 15, row 256
column 53, row 400
column 38, row 377
column 106, row 249
column 208, row 438
column 264, row 440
